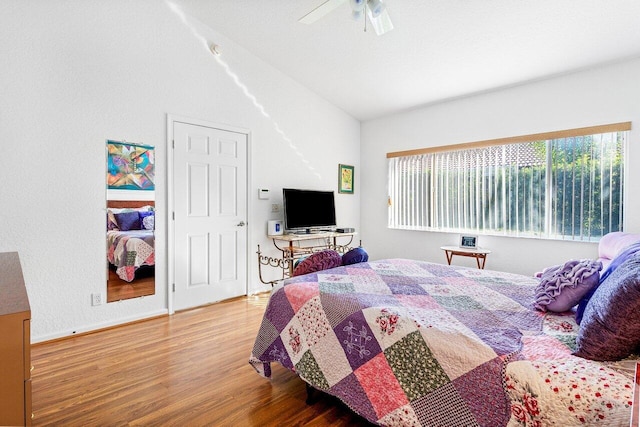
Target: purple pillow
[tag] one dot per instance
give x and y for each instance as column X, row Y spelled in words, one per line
column 563, row 286
column 355, row 256
column 318, row 261
column 610, row 327
column 128, row 221
column 619, row 259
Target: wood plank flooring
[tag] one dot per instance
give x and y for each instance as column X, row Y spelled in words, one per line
column 144, row 284
column 189, row 369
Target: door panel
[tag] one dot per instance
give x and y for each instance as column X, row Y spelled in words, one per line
column 210, row 204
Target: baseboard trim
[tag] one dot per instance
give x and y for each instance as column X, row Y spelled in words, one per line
column 91, row 329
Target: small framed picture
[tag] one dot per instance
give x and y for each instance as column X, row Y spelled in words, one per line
column 467, row 241
column 345, row 179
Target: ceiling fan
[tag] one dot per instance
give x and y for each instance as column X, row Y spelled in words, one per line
column 375, row 10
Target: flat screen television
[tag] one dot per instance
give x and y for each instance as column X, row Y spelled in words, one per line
column 307, row 210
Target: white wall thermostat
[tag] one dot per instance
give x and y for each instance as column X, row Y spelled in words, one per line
column 263, row 193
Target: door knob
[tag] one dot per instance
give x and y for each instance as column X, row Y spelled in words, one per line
column 241, row 224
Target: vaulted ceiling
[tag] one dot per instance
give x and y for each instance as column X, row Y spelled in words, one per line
column 438, row 49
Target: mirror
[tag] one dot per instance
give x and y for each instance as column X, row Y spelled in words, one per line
column 130, row 229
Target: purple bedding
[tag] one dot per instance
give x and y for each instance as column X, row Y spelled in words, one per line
column 405, row 342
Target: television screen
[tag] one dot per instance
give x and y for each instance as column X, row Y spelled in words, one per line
column 308, row 209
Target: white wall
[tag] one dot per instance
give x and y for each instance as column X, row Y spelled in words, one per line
column 75, row 73
column 601, row 96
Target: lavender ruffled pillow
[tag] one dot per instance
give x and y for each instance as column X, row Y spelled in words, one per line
column 318, row 261
column 610, row 327
column 563, row 286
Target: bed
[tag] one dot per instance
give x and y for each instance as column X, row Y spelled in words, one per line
column 130, row 236
column 411, row 343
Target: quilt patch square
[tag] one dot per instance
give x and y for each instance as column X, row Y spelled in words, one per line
column 380, row 385
column 386, row 269
column 266, row 339
column 372, row 300
column 459, row 302
column 314, row 322
column 407, row 289
column 350, row 390
column 404, row 416
column 277, row 352
column 443, row 408
column 334, row 278
column 338, row 307
column 279, row 310
column 544, row 347
column 336, row 288
column 415, row 367
column 492, row 299
column 521, row 319
column 308, row 369
column 357, row 340
column 412, row 268
column 483, row 389
column 439, row 289
column 301, row 293
column 426, row 319
column 441, row 270
column 293, row 339
column 370, row 284
column 389, row 325
column 502, row 340
column 455, row 346
column 418, row 301
column 332, row 363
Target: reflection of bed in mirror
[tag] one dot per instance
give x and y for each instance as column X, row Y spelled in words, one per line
column 130, row 248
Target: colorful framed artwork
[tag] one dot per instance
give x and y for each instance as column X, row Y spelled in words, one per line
column 130, row 166
column 345, row 179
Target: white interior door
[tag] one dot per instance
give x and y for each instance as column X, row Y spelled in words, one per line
column 210, row 212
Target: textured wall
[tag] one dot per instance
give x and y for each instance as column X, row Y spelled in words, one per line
column 76, row 73
column 600, row 96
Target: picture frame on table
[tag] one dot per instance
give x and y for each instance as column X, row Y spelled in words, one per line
column 468, row 241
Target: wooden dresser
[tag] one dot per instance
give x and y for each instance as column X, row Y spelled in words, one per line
column 15, row 344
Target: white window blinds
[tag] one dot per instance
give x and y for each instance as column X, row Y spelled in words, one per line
column 569, row 187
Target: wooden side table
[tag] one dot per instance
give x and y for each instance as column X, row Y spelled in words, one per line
column 479, row 254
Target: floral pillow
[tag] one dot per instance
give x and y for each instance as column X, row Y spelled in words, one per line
column 610, row 326
column 147, row 220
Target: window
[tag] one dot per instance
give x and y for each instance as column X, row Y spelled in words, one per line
column 560, row 185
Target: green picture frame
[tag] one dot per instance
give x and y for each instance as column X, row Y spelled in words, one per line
column 346, row 179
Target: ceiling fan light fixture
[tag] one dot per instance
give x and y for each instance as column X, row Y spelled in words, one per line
column 357, row 14
column 357, row 5
column 376, row 7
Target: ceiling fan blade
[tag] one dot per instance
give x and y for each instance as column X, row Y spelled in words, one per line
column 320, row 11
column 382, row 23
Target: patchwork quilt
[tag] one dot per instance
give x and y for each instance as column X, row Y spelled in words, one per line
column 129, row 250
column 411, row 343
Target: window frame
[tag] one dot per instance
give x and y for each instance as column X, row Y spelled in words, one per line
column 546, row 232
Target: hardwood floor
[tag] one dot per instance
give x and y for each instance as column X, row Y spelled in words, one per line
column 144, row 284
column 189, row 369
